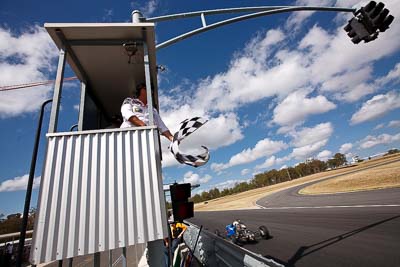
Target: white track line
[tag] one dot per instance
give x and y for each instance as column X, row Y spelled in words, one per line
column 330, row 207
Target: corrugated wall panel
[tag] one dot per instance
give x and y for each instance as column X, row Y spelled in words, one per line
column 99, row 191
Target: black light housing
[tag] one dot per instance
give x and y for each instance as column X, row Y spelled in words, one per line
column 368, row 22
column 182, row 208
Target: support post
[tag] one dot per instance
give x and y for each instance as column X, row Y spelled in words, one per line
column 148, row 83
column 30, row 186
column 82, row 106
column 155, row 253
column 96, row 259
column 57, row 91
column 124, row 257
column 203, row 20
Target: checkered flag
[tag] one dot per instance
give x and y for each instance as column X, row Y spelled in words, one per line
column 188, row 126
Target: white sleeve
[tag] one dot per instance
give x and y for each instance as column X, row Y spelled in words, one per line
column 159, row 122
column 128, row 110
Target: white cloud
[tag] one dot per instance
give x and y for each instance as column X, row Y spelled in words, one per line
column 350, row 86
column 283, row 167
column 245, row 171
column 269, row 162
column 146, row 9
column 301, row 153
column 394, row 124
column 308, row 136
column 316, row 40
column 392, row 76
column 108, row 14
column 194, row 178
column 25, row 58
column 324, row 155
column 376, row 107
column 297, row 18
column 252, row 75
column 296, row 107
column 265, row 147
column 308, row 141
column 18, row 183
column 379, row 126
column 371, row 141
column 357, row 92
column 345, row 148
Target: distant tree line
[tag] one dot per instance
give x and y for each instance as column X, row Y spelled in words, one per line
column 274, row 176
column 12, row 223
column 392, row 151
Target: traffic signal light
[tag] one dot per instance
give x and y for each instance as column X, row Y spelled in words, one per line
column 181, row 207
column 369, row 21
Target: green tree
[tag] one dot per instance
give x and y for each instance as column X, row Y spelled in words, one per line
column 205, row 196
column 340, row 159
column 392, row 151
column 11, row 225
column 260, row 180
column 214, row 193
column 317, row 166
column 196, row 198
column 332, row 163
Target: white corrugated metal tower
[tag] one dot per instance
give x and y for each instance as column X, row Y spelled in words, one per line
column 100, row 189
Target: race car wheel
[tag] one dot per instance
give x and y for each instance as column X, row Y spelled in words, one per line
column 264, row 232
column 217, row 232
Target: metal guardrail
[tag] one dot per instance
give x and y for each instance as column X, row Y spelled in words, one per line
column 212, row 250
column 12, row 235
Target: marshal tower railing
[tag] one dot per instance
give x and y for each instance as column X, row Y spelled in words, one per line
column 100, row 190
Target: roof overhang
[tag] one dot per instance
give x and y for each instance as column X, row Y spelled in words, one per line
column 96, row 53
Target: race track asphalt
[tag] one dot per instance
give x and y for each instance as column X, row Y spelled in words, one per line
column 320, row 237
column 346, row 229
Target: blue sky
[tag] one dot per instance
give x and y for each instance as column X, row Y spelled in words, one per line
column 276, row 90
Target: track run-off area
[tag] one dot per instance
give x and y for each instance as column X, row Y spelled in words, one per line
column 343, row 229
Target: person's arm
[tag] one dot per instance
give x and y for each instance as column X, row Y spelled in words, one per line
column 161, row 125
column 136, row 121
column 184, row 228
column 168, row 135
column 181, row 234
column 166, row 241
column 129, row 114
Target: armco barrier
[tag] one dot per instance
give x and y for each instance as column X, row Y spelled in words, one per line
column 212, row 250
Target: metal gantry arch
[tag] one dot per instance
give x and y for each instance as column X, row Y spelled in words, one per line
column 257, row 12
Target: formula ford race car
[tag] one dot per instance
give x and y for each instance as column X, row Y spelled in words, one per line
column 238, row 233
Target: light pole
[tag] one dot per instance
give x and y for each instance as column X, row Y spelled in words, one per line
column 29, row 187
